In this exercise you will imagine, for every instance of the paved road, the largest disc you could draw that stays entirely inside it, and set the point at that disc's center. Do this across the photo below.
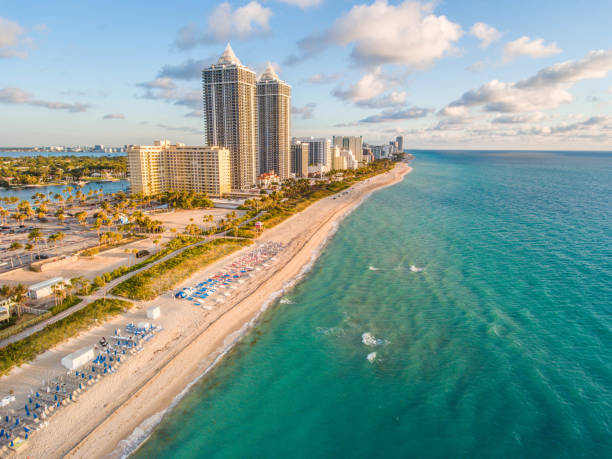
(103, 292)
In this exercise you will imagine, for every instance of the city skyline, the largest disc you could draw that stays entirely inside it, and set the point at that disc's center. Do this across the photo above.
(493, 76)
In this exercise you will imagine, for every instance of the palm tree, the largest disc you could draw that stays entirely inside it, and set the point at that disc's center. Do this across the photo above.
(61, 216)
(20, 297)
(81, 217)
(15, 246)
(29, 248)
(36, 236)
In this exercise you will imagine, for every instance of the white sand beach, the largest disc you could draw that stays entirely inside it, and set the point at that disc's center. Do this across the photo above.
(191, 340)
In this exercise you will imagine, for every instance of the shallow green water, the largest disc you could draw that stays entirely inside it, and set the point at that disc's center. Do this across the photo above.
(500, 347)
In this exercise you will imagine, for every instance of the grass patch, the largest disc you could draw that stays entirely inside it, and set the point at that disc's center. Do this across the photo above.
(27, 349)
(160, 278)
(22, 324)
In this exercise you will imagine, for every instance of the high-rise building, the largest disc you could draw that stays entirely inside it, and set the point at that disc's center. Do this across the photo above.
(318, 151)
(299, 158)
(273, 124)
(229, 115)
(353, 143)
(399, 140)
(165, 167)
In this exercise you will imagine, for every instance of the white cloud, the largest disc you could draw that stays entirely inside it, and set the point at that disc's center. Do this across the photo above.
(114, 116)
(306, 112)
(407, 34)
(11, 40)
(369, 86)
(302, 3)
(226, 23)
(523, 118)
(322, 78)
(549, 88)
(159, 83)
(485, 33)
(17, 96)
(525, 46)
(398, 115)
(369, 91)
(188, 70)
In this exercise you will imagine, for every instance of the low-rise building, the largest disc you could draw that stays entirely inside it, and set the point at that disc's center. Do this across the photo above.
(267, 179)
(44, 288)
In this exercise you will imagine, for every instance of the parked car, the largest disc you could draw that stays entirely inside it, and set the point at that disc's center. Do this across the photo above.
(41, 256)
(142, 253)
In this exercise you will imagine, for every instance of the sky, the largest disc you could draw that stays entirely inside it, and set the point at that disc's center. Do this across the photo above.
(445, 74)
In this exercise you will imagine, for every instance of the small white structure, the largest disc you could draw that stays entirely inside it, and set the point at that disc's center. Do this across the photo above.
(144, 325)
(7, 400)
(78, 358)
(44, 288)
(153, 312)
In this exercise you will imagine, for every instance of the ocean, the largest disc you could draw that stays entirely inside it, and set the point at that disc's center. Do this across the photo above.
(482, 283)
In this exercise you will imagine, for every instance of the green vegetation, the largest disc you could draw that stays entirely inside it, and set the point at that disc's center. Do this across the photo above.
(186, 199)
(297, 195)
(23, 324)
(33, 170)
(154, 281)
(27, 349)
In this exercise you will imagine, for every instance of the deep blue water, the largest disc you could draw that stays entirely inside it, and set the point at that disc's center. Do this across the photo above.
(500, 347)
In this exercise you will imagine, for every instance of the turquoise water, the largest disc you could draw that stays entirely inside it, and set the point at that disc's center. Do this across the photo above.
(500, 347)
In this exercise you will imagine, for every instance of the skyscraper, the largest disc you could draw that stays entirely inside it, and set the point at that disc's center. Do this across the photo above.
(273, 124)
(318, 152)
(229, 115)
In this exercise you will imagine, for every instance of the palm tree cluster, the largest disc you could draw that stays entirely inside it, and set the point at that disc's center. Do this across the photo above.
(18, 293)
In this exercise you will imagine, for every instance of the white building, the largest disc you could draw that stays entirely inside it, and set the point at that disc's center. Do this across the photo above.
(44, 288)
(352, 143)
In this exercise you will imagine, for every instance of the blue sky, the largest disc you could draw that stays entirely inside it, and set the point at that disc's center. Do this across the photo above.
(447, 74)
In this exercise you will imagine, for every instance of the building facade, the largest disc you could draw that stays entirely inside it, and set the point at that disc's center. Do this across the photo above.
(229, 115)
(299, 159)
(352, 143)
(318, 152)
(273, 124)
(165, 167)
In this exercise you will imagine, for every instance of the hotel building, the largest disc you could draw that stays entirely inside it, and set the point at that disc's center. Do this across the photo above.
(230, 116)
(273, 124)
(164, 167)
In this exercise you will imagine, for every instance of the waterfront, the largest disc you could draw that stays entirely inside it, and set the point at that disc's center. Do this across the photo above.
(496, 348)
(25, 193)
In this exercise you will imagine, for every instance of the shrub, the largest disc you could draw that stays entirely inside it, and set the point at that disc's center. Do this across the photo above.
(27, 349)
(152, 282)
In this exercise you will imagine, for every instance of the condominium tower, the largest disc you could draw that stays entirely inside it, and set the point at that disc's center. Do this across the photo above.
(273, 124)
(165, 167)
(229, 115)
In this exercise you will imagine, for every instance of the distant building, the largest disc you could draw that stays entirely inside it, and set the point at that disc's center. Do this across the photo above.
(399, 141)
(318, 152)
(299, 158)
(343, 159)
(267, 179)
(230, 116)
(352, 143)
(164, 167)
(273, 124)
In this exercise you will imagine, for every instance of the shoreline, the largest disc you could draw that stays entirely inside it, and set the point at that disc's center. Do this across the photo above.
(110, 420)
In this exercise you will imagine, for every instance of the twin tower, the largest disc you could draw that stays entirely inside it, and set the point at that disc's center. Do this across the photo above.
(249, 117)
